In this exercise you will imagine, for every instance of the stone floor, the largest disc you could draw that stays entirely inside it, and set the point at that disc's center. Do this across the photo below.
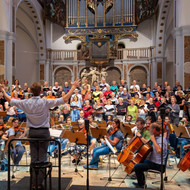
(181, 180)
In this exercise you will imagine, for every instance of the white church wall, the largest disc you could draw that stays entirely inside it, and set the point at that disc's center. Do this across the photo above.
(25, 21)
(5, 15)
(182, 13)
(145, 38)
(26, 56)
(54, 36)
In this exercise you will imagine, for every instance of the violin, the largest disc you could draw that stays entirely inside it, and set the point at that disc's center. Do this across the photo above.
(113, 131)
(18, 129)
(4, 127)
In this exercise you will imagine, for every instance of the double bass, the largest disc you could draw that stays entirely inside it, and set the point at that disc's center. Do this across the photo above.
(135, 152)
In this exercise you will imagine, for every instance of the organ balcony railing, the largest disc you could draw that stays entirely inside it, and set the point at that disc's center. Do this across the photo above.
(122, 54)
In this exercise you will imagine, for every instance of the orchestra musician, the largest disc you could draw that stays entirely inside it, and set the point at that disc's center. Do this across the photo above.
(141, 131)
(92, 141)
(115, 139)
(37, 112)
(18, 150)
(154, 161)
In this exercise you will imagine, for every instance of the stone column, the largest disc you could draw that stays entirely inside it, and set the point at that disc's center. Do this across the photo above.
(164, 61)
(179, 56)
(153, 72)
(9, 38)
(46, 70)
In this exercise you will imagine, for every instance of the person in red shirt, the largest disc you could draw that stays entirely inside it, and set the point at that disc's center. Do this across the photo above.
(108, 92)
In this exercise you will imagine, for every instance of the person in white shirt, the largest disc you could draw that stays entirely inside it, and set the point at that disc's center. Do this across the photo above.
(134, 84)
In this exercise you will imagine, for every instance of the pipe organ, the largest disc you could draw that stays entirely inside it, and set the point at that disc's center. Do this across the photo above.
(100, 13)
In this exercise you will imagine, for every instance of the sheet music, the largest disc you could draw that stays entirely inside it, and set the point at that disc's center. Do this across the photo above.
(55, 132)
(110, 146)
(187, 131)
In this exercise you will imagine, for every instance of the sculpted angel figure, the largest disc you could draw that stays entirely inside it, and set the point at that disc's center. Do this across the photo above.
(83, 76)
(104, 74)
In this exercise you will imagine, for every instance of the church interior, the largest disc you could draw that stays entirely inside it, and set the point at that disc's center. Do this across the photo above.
(129, 43)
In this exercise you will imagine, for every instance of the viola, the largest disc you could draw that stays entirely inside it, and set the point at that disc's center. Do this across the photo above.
(184, 163)
(113, 131)
(135, 152)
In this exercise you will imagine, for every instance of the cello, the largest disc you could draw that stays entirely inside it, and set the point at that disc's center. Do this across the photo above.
(184, 163)
(135, 152)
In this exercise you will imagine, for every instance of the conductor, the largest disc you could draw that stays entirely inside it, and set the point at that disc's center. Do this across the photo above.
(37, 112)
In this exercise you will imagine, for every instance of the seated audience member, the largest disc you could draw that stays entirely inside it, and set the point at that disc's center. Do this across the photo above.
(154, 161)
(115, 139)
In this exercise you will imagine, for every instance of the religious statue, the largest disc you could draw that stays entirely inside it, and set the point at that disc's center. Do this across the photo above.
(95, 74)
(83, 76)
(103, 74)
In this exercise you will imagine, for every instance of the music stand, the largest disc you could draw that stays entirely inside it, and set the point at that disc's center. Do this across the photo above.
(3, 113)
(181, 131)
(126, 130)
(98, 132)
(77, 138)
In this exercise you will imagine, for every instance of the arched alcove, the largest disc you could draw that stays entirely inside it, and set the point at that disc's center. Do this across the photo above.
(113, 74)
(139, 74)
(62, 75)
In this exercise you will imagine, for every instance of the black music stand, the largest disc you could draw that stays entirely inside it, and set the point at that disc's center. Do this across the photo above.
(77, 138)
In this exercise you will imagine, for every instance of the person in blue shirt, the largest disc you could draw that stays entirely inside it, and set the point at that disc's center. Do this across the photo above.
(66, 88)
(114, 87)
(115, 139)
